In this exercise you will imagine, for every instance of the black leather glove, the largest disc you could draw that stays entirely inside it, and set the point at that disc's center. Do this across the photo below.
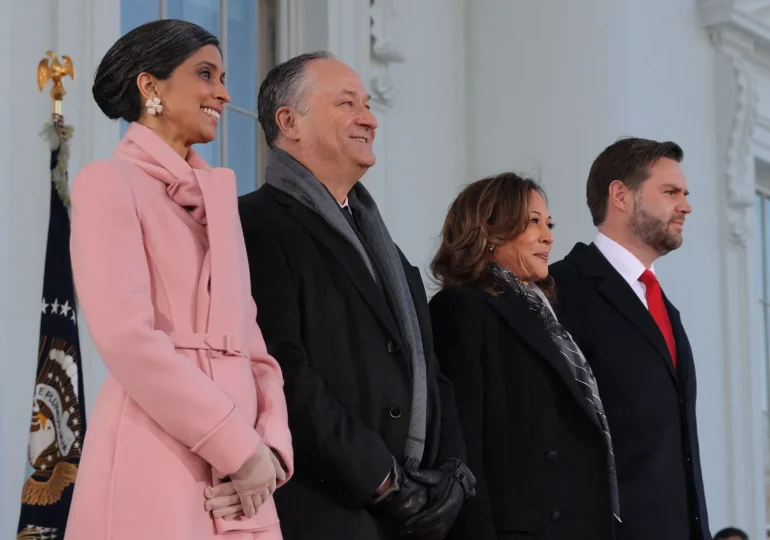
(449, 487)
(404, 499)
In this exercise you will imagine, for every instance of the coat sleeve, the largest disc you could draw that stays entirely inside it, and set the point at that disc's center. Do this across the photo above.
(451, 443)
(458, 336)
(273, 418)
(329, 443)
(112, 280)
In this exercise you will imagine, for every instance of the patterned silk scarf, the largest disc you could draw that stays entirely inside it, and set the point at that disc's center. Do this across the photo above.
(539, 303)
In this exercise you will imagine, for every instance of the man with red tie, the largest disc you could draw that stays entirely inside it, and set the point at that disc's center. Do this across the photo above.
(610, 299)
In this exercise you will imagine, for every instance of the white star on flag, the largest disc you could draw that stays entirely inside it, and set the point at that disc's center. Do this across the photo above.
(72, 318)
(65, 308)
(45, 306)
(55, 306)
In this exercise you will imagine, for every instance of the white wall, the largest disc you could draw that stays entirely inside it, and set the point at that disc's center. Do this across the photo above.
(552, 84)
(5, 223)
(25, 189)
(427, 126)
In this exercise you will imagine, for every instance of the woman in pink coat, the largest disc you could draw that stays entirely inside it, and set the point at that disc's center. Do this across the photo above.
(192, 396)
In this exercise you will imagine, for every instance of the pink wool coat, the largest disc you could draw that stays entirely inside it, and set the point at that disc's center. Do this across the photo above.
(161, 273)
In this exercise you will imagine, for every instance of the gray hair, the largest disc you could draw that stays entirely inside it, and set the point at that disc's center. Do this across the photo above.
(286, 85)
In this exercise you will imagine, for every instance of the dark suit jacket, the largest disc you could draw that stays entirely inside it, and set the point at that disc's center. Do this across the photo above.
(347, 380)
(650, 406)
(539, 456)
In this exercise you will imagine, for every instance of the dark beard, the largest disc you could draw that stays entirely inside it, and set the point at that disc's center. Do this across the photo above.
(653, 231)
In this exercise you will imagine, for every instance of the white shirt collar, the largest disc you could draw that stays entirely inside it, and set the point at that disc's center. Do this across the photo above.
(344, 203)
(627, 265)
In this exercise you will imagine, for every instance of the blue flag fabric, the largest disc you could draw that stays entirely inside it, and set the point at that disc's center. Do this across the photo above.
(58, 419)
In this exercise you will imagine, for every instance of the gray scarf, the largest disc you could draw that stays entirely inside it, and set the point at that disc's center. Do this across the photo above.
(581, 370)
(286, 174)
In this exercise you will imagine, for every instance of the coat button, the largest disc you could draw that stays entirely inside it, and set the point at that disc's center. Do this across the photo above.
(555, 516)
(396, 412)
(393, 347)
(551, 456)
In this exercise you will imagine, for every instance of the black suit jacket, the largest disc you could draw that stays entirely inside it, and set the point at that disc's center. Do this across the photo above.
(534, 444)
(650, 406)
(347, 380)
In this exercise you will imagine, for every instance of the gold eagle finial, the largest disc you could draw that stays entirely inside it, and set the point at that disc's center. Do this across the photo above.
(52, 69)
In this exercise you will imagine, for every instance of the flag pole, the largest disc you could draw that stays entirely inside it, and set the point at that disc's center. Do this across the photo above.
(58, 419)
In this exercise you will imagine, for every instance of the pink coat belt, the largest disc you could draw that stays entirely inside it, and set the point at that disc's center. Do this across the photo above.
(228, 344)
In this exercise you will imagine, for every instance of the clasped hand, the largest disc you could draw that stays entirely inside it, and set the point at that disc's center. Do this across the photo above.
(249, 487)
(428, 501)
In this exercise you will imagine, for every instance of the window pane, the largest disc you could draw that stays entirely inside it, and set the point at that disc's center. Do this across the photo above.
(204, 13)
(242, 61)
(137, 12)
(242, 137)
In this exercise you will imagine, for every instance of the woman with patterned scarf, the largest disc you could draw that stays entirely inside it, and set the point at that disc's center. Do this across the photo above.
(531, 412)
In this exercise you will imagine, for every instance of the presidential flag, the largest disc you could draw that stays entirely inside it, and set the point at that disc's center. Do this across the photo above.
(58, 420)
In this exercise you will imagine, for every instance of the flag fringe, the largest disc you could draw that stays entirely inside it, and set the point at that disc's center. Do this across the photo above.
(58, 135)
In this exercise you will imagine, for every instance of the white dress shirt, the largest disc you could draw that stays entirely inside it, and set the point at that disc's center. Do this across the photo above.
(625, 263)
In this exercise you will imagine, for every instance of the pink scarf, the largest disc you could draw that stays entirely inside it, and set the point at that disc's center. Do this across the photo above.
(209, 194)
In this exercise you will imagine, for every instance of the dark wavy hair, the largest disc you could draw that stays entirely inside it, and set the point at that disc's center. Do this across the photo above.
(158, 48)
(485, 214)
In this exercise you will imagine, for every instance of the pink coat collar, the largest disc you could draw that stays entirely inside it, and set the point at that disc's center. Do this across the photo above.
(154, 156)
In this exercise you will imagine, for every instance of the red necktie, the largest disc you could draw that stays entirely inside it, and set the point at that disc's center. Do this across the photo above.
(658, 310)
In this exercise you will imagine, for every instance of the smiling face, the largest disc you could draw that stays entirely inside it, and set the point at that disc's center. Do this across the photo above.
(338, 128)
(193, 98)
(526, 255)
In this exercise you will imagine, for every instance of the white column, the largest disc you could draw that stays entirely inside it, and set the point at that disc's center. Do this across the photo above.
(6, 261)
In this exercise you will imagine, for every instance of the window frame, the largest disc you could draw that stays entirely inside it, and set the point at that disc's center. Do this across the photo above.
(267, 46)
(762, 197)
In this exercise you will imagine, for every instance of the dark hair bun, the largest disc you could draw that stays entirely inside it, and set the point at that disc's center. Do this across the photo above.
(158, 48)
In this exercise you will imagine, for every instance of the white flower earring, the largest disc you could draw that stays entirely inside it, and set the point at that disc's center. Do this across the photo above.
(153, 106)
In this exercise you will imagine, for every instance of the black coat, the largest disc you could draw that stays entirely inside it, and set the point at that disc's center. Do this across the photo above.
(539, 456)
(347, 379)
(650, 406)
